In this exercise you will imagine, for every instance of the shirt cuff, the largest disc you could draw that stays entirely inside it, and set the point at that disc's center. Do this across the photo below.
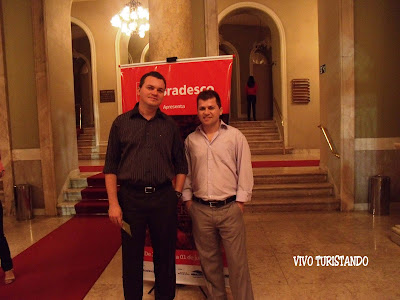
(187, 195)
(243, 196)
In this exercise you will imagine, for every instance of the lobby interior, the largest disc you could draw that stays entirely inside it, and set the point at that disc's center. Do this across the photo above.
(356, 99)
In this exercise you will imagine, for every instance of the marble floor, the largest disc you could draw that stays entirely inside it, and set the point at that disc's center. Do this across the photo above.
(273, 239)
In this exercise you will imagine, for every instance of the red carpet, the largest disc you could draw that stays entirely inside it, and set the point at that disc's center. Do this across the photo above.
(94, 197)
(96, 180)
(66, 263)
(91, 168)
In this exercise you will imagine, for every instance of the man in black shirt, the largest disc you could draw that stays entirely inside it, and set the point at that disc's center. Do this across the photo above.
(145, 152)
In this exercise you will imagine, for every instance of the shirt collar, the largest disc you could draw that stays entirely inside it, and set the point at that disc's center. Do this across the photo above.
(135, 112)
(222, 125)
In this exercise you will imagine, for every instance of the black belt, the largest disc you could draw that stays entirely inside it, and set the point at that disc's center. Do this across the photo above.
(148, 189)
(214, 203)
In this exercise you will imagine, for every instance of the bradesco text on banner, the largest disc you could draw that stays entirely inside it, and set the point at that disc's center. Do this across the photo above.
(185, 78)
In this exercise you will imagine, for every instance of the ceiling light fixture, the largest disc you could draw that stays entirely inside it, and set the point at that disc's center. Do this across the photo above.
(133, 18)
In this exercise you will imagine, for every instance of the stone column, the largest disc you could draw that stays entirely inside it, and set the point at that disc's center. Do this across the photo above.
(5, 146)
(211, 30)
(170, 29)
(347, 185)
(44, 110)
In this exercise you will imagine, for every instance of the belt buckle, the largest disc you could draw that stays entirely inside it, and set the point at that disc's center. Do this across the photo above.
(213, 203)
(149, 189)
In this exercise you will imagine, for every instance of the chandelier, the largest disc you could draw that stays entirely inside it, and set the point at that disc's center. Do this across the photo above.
(258, 57)
(133, 18)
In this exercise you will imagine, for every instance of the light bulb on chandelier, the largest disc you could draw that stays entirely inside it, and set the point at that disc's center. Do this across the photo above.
(133, 18)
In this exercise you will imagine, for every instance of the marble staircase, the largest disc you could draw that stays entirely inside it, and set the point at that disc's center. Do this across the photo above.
(87, 148)
(284, 188)
(72, 195)
(275, 189)
(292, 189)
(263, 136)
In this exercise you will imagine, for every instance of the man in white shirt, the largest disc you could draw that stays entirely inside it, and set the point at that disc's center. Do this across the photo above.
(219, 182)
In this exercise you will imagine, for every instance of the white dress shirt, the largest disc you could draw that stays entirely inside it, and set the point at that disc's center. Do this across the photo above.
(219, 168)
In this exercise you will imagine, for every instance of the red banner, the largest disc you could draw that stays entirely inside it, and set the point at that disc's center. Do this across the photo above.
(185, 80)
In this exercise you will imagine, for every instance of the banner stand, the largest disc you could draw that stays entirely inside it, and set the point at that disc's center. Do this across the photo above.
(201, 289)
(185, 78)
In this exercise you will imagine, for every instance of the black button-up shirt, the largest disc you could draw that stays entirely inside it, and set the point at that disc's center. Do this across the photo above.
(145, 152)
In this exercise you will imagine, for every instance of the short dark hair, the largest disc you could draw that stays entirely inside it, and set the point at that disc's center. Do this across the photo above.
(152, 74)
(209, 94)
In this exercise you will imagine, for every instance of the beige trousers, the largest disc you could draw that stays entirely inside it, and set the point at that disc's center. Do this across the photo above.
(211, 226)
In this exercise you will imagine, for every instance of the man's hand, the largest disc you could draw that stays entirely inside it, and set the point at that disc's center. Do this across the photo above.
(241, 206)
(188, 204)
(115, 214)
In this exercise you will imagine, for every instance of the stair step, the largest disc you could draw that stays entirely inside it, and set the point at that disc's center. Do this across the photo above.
(267, 151)
(261, 191)
(289, 175)
(247, 124)
(73, 194)
(78, 183)
(262, 137)
(94, 193)
(294, 204)
(66, 208)
(258, 130)
(284, 179)
(92, 207)
(86, 136)
(87, 149)
(81, 180)
(89, 130)
(91, 156)
(82, 143)
(265, 144)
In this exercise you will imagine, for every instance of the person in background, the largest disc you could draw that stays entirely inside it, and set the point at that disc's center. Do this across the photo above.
(251, 94)
(5, 255)
(219, 182)
(145, 153)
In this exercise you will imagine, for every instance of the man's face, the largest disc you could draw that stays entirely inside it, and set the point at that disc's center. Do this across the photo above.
(209, 112)
(152, 92)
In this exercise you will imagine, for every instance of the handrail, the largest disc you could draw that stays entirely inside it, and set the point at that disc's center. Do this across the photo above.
(281, 129)
(278, 109)
(330, 144)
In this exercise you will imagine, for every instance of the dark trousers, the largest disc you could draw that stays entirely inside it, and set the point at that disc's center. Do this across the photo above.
(251, 104)
(5, 256)
(158, 211)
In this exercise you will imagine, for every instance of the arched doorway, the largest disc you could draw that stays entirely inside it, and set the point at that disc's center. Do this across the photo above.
(250, 37)
(85, 76)
(83, 92)
(240, 14)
